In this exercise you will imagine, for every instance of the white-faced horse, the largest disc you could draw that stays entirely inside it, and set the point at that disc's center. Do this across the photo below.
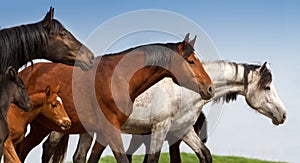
(166, 108)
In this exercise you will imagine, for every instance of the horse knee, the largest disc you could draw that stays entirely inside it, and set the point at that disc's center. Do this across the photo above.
(78, 158)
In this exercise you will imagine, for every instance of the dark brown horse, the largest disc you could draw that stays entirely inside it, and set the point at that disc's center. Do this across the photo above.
(12, 89)
(116, 81)
(47, 39)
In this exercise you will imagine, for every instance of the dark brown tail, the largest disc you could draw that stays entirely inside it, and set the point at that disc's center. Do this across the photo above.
(61, 149)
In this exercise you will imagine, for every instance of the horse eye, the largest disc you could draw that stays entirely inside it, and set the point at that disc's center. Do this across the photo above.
(191, 62)
(63, 33)
(54, 105)
(267, 88)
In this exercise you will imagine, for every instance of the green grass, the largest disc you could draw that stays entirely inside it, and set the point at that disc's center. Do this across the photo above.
(190, 158)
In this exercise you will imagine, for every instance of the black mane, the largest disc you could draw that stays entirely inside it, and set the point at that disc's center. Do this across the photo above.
(266, 78)
(159, 54)
(20, 44)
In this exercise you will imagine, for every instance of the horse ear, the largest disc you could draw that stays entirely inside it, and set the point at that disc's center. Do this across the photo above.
(192, 43)
(57, 88)
(186, 38)
(11, 72)
(48, 90)
(48, 18)
(264, 67)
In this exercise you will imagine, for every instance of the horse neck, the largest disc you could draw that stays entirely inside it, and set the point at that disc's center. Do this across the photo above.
(228, 77)
(5, 98)
(21, 44)
(38, 100)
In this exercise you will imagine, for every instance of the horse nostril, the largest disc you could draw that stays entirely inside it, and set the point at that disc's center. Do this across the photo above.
(284, 116)
(210, 89)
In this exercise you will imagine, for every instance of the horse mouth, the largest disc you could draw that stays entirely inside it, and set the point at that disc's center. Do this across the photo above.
(84, 66)
(64, 127)
(277, 122)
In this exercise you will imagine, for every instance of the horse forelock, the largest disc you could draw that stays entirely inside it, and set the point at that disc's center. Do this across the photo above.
(188, 50)
(20, 44)
(265, 78)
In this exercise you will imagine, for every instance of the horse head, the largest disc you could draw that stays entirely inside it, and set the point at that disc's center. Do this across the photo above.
(16, 89)
(262, 96)
(54, 110)
(62, 46)
(193, 68)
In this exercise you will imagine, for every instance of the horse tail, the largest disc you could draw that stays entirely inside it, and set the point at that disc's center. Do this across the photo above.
(61, 149)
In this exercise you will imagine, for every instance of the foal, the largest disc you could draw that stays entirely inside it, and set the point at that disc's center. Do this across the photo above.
(47, 103)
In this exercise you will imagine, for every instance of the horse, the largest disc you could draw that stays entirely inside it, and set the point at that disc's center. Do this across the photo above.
(118, 79)
(252, 81)
(12, 90)
(47, 103)
(47, 39)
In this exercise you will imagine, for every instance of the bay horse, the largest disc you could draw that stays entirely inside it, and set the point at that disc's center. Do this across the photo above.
(12, 89)
(47, 103)
(182, 107)
(47, 39)
(118, 79)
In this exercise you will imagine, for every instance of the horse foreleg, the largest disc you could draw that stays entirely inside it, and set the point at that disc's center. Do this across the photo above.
(98, 148)
(159, 133)
(49, 146)
(135, 142)
(10, 155)
(192, 140)
(83, 146)
(201, 125)
(36, 135)
(116, 144)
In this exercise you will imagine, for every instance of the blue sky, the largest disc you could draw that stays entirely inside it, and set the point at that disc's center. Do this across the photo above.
(242, 31)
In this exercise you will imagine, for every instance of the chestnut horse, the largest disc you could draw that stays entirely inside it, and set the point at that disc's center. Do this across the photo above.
(118, 79)
(12, 90)
(47, 103)
(47, 39)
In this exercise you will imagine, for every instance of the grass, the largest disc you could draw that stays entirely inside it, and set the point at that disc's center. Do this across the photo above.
(191, 158)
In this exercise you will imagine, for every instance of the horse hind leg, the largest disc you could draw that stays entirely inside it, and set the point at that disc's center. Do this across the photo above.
(202, 152)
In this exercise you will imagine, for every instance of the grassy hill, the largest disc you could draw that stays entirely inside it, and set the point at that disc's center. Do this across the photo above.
(190, 158)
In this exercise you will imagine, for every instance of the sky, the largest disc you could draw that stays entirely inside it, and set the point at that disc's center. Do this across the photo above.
(242, 31)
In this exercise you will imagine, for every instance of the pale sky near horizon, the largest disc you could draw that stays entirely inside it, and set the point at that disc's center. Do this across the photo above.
(242, 31)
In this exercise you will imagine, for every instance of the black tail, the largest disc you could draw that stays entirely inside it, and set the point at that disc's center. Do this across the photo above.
(61, 149)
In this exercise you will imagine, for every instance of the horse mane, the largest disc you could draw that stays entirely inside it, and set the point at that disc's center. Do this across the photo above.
(159, 54)
(18, 44)
(232, 96)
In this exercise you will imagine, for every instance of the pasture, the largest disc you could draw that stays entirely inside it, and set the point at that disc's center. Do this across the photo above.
(191, 158)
